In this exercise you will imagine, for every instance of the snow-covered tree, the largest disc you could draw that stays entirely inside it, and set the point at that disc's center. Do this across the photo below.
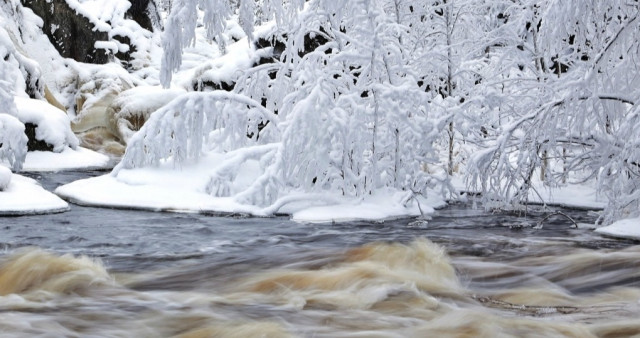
(180, 28)
(351, 115)
(443, 43)
(573, 105)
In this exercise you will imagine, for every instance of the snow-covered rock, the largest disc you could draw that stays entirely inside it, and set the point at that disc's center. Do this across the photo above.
(5, 178)
(625, 228)
(52, 125)
(24, 196)
(92, 30)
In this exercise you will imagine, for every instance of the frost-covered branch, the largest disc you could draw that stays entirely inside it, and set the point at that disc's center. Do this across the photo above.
(184, 128)
(180, 28)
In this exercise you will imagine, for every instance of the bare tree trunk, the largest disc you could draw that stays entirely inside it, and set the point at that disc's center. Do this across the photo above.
(545, 164)
(396, 165)
(449, 32)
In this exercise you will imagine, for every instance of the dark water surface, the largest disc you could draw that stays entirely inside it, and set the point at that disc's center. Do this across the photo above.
(119, 273)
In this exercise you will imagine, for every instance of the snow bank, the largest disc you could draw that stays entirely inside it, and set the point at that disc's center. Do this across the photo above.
(79, 158)
(5, 178)
(25, 196)
(626, 228)
(54, 126)
(164, 188)
(570, 196)
(183, 189)
(383, 205)
(577, 196)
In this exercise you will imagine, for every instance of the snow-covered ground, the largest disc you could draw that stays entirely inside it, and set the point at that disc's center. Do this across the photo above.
(24, 196)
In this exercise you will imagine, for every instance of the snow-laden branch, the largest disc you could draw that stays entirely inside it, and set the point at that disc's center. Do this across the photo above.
(181, 130)
(180, 28)
(13, 141)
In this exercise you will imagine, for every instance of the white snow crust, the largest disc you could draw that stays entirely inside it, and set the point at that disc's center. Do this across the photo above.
(79, 158)
(625, 228)
(24, 196)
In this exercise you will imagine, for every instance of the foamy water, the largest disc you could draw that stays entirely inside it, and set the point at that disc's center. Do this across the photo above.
(108, 273)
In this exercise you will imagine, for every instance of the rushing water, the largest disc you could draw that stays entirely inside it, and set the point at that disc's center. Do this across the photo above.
(96, 272)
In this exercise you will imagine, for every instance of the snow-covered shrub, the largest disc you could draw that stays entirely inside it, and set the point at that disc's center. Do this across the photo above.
(13, 141)
(195, 122)
(5, 178)
(180, 30)
(25, 73)
(132, 108)
(566, 92)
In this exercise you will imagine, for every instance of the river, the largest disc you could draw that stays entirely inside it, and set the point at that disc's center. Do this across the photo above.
(94, 272)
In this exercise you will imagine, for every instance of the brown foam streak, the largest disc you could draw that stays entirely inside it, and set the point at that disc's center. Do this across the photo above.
(32, 270)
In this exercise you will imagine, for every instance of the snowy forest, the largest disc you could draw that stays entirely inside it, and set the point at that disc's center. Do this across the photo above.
(269, 107)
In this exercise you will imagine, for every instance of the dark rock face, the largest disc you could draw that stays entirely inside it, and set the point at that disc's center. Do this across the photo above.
(73, 35)
(145, 13)
(34, 144)
(125, 57)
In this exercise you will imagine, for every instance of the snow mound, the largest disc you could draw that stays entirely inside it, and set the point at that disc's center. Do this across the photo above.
(54, 126)
(626, 228)
(79, 158)
(25, 196)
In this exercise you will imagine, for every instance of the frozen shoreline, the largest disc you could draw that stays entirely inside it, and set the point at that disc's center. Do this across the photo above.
(108, 191)
(24, 196)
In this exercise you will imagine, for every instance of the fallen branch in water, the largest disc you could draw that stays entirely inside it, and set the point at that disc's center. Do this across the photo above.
(539, 225)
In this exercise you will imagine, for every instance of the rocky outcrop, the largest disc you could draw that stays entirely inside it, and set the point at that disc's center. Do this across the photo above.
(73, 35)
